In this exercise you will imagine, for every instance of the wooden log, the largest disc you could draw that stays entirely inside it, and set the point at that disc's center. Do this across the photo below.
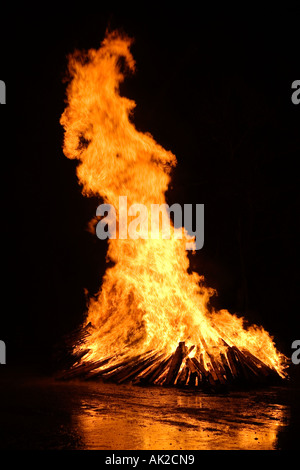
(114, 370)
(220, 364)
(217, 375)
(254, 364)
(131, 368)
(194, 372)
(162, 375)
(136, 369)
(192, 379)
(79, 355)
(217, 370)
(252, 369)
(245, 370)
(230, 358)
(196, 368)
(190, 364)
(149, 368)
(162, 378)
(105, 372)
(175, 364)
(201, 360)
(188, 377)
(158, 370)
(206, 376)
(229, 376)
(115, 367)
(232, 363)
(68, 359)
(243, 374)
(262, 367)
(109, 372)
(257, 370)
(182, 376)
(206, 379)
(185, 353)
(212, 372)
(81, 370)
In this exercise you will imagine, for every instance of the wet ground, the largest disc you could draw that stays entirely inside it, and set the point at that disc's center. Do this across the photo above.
(42, 413)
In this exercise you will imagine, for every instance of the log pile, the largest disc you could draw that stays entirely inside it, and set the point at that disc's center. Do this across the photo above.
(186, 368)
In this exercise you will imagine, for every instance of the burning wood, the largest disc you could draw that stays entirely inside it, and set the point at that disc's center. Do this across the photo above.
(236, 369)
(175, 364)
(150, 323)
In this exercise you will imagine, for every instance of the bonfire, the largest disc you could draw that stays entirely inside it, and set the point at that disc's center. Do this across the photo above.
(151, 321)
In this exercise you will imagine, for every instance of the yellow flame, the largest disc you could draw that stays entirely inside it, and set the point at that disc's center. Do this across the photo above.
(148, 299)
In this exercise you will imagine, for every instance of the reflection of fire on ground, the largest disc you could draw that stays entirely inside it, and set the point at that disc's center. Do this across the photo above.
(140, 420)
(151, 319)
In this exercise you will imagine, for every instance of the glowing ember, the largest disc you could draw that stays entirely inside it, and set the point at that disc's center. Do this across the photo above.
(148, 300)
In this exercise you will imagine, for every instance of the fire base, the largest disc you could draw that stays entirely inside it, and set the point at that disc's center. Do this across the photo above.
(234, 368)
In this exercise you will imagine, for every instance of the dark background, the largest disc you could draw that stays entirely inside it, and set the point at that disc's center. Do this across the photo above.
(214, 87)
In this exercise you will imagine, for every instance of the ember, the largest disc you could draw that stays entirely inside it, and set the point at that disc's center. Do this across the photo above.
(151, 322)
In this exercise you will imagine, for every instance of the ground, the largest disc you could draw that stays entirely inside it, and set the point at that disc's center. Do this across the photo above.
(39, 412)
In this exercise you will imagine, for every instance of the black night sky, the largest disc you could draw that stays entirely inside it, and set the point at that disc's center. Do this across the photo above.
(212, 87)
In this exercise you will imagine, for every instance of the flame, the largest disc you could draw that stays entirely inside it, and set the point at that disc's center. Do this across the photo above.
(149, 300)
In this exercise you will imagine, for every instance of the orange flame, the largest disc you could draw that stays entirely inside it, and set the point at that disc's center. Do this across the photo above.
(148, 299)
